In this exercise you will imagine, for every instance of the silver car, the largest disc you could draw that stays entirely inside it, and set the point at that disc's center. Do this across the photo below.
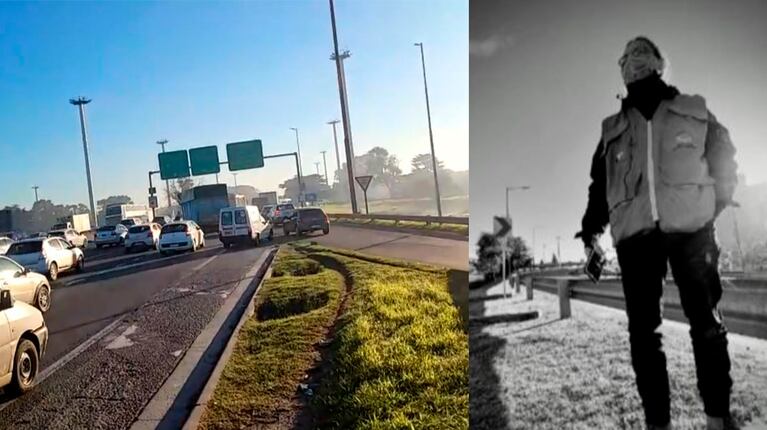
(111, 235)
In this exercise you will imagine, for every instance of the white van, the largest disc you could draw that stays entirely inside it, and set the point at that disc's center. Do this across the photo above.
(243, 224)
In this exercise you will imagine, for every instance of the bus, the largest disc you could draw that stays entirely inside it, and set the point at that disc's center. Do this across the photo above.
(115, 213)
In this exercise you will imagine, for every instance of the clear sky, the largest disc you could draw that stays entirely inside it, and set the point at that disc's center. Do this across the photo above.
(202, 73)
(544, 74)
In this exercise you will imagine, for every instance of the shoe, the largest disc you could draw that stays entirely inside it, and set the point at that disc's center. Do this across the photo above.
(717, 423)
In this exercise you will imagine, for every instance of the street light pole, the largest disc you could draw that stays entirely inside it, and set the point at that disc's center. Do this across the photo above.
(431, 135)
(325, 163)
(335, 140)
(317, 167)
(298, 146)
(508, 218)
(235, 182)
(344, 109)
(80, 102)
(35, 187)
(167, 183)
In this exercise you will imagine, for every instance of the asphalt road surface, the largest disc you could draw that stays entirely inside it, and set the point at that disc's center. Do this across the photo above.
(118, 329)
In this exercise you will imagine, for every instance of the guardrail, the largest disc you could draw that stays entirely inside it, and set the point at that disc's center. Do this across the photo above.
(744, 302)
(428, 219)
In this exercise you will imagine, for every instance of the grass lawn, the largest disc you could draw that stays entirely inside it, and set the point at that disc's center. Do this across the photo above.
(452, 206)
(576, 373)
(453, 228)
(398, 359)
(400, 356)
(275, 347)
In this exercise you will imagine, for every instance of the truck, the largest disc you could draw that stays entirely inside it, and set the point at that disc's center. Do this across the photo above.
(203, 203)
(79, 223)
(115, 213)
(270, 198)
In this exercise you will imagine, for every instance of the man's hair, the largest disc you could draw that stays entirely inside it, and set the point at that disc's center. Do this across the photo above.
(655, 51)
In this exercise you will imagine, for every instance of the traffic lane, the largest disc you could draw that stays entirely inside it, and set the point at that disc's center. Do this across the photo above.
(79, 311)
(450, 253)
(108, 384)
(128, 262)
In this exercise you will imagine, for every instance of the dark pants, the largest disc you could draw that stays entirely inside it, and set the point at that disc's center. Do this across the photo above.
(693, 258)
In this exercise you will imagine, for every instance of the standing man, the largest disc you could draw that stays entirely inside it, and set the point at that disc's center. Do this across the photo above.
(663, 171)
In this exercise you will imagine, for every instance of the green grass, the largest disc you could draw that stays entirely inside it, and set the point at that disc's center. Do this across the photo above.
(400, 356)
(453, 228)
(453, 206)
(275, 347)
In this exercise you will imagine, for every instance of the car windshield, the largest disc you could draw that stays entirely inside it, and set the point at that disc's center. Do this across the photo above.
(226, 218)
(30, 247)
(287, 206)
(107, 228)
(138, 229)
(127, 222)
(56, 234)
(175, 228)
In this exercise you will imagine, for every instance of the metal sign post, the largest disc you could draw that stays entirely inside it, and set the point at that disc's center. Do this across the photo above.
(501, 229)
(364, 182)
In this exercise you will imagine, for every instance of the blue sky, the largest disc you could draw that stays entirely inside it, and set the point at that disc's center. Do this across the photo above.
(201, 73)
(545, 74)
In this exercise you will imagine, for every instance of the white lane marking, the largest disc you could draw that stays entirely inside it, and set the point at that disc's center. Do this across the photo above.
(75, 352)
(122, 341)
(86, 276)
(48, 371)
(204, 263)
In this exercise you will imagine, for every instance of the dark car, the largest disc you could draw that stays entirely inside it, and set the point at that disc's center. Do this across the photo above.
(307, 220)
(283, 212)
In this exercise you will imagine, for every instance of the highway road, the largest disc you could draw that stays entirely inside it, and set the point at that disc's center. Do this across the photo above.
(118, 329)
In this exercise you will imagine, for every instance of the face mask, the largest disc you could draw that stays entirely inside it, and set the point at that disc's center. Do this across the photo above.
(638, 62)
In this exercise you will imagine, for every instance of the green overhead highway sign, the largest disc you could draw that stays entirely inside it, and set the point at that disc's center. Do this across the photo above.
(174, 164)
(244, 155)
(204, 160)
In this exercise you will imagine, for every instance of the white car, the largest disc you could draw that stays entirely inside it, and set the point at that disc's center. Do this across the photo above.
(111, 235)
(181, 236)
(142, 237)
(23, 339)
(5, 243)
(29, 287)
(70, 236)
(243, 224)
(47, 256)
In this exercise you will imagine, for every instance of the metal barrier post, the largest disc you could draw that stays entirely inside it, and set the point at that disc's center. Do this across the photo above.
(563, 288)
(529, 287)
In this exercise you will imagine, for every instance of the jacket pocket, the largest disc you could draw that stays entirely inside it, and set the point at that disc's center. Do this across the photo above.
(619, 161)
(682, 148)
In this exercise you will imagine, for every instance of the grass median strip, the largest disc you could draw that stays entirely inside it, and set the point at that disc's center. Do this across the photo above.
(275, 347)
(452, 228)
(398, 358)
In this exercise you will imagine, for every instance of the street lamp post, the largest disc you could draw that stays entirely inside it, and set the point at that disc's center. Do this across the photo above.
(235, 182)
(80, 102)
(167, 183)
(338, 58)
(431, 135)
(35, 187)
(503, 246)
(325, 164)
(298, 146)
(335, 140)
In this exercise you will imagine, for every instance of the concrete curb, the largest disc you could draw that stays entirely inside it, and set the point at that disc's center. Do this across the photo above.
(193, 422)
(171, 405)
